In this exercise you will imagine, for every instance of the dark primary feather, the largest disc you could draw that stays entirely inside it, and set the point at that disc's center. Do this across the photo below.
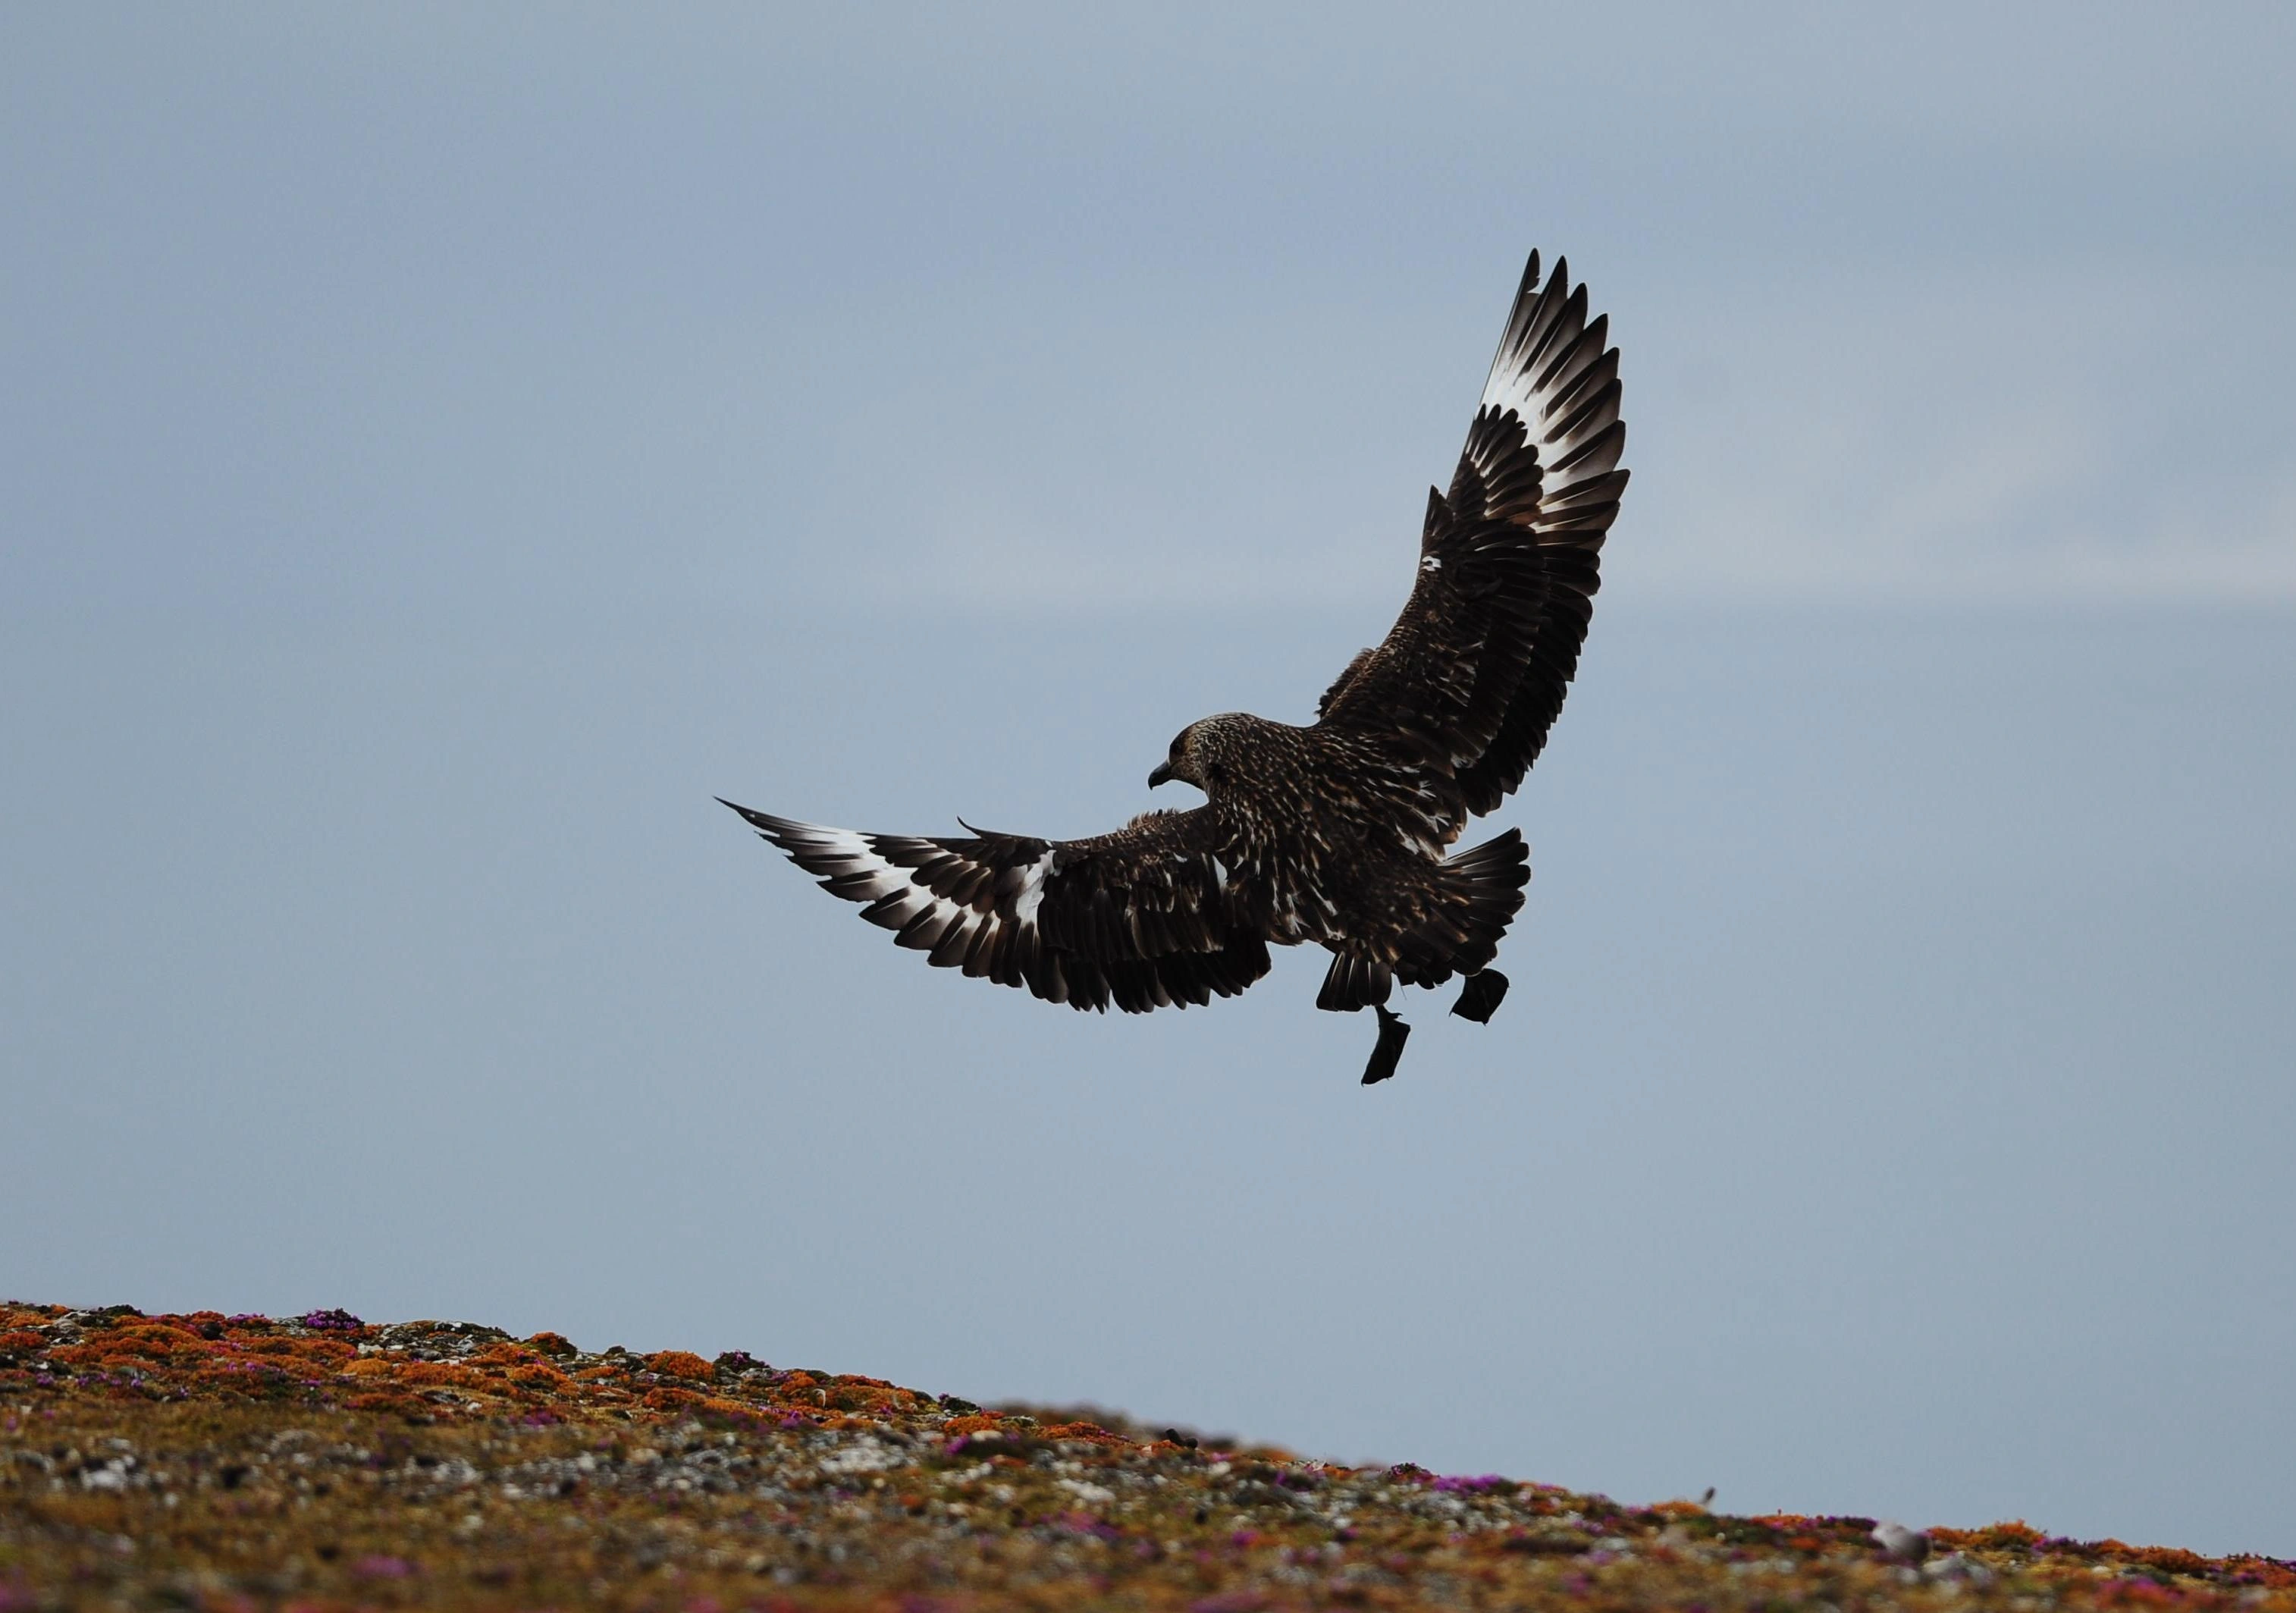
(1139, 919)
(1475, 668)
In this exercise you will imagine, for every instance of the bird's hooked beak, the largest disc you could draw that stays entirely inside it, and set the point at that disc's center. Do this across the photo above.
(1162, 775)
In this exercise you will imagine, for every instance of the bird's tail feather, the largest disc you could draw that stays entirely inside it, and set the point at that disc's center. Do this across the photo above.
(1485, 885)
(1354, 982)
(1457, 912)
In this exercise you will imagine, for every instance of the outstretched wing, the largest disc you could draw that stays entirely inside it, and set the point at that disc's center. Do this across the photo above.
(1474, 670)
(1147, 917)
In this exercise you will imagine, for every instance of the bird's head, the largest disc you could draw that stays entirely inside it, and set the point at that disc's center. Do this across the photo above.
(1202, 753)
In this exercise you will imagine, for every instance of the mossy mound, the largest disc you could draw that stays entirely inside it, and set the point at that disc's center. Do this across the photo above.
(237, 1462)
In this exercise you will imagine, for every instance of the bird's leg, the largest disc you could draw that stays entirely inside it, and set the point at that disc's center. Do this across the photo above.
(1479, 998)
(1392, 1034)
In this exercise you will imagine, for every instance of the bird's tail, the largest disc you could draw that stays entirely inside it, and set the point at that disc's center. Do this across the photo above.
(1449, 920)
(1483, 888)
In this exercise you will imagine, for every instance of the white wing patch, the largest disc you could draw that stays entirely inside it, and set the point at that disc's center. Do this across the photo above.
(851, 865)
(1032, 890)
(1553, 373)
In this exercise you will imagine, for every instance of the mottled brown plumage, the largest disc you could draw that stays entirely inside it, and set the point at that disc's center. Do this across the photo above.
(1336, 833)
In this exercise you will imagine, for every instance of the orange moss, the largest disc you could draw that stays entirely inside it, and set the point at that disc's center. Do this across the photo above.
(442, 1374)
(681, 1364)
(1083, 1430)
(158, 1343)
(323, 1352)
(2011, 1536)
(385, 1401)
(2271, 1573)
(2169, 1560)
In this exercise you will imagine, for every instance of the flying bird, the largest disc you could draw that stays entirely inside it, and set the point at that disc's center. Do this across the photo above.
(1338, 833)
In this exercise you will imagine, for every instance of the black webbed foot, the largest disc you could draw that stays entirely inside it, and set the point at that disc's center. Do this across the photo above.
(1479, 998)
(1392, 1034)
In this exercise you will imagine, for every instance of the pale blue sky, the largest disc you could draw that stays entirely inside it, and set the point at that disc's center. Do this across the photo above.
(441, 449)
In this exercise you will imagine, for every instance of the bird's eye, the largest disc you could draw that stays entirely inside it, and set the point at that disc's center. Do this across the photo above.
(1218, 772)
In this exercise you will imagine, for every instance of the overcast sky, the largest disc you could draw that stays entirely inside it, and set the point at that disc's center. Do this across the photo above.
(440, 449)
